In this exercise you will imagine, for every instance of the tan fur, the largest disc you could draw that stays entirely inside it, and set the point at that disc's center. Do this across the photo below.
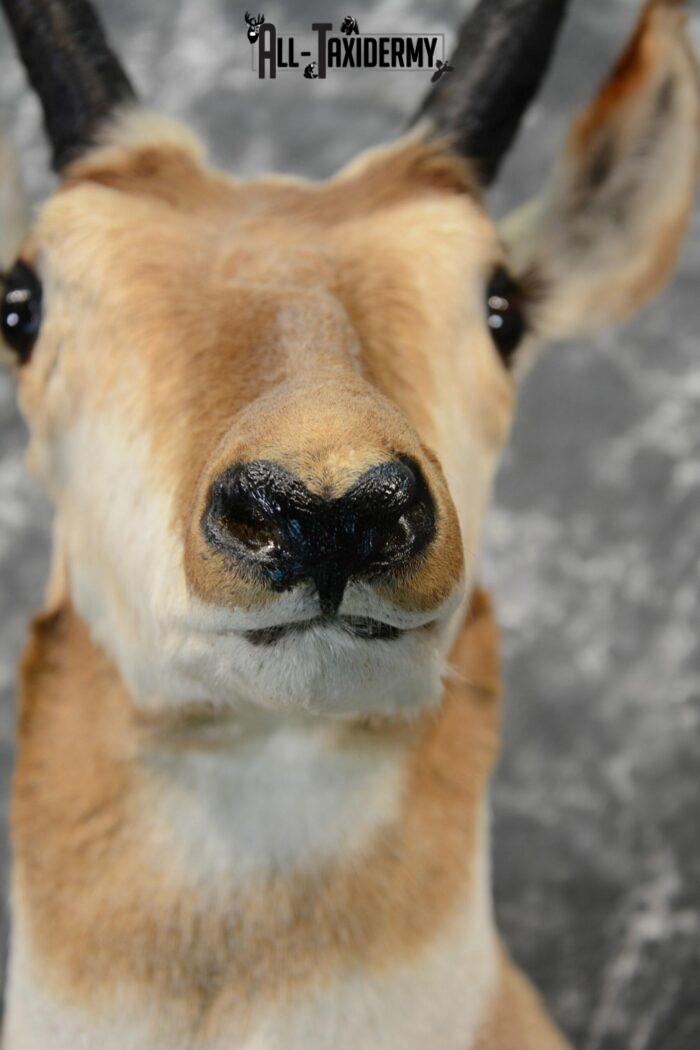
(638, 64)
(570, 236)
(192, 322)
(517, 1020)
(100, 907)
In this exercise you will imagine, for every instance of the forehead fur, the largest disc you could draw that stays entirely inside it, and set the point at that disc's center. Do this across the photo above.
(148, 195)
(166, 182)
(400, 227)
(145, 154)
(398, 241)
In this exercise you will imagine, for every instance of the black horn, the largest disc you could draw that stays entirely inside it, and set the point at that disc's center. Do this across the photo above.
(78, 79)
(501, 57)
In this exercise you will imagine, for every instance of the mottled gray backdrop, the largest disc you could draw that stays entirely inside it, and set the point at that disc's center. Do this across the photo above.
(593, 543)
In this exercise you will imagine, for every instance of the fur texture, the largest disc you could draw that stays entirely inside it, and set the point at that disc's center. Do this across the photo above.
(219, 845)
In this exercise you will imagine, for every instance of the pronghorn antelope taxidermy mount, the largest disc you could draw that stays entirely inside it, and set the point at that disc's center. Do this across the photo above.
(260, 710)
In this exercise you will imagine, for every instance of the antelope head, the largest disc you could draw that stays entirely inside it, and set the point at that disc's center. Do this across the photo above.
(269, 412)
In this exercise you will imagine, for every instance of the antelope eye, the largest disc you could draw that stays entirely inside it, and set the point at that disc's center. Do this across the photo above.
(20, 309)
(505, 313)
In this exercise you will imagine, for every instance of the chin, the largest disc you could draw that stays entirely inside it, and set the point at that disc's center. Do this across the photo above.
(371, 658)
(330, 669)
(335, 668)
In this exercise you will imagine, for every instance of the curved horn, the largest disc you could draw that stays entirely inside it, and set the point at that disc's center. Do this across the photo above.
(501, 57)
(77, 77)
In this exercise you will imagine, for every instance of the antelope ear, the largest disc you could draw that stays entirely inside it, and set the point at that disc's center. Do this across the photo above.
(604, 236)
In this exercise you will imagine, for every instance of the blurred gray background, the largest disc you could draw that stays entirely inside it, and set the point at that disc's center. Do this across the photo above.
(592, 547)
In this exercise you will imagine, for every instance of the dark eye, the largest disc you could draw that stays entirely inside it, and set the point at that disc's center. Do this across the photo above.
(504, 312)
(20, 309)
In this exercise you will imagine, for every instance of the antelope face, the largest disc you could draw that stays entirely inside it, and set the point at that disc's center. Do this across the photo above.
(268, 415)
(269, 412)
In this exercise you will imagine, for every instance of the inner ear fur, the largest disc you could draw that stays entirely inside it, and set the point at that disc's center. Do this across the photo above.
(604, 237)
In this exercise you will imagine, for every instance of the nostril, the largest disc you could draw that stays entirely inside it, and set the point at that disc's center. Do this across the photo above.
(250, 528)
(392, 509)
(263, 515)
(384, 491)
(235, 516)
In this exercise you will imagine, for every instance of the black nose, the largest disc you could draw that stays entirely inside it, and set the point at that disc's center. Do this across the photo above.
(265, 516)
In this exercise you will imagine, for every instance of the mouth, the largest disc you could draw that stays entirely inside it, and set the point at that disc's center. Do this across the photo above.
(356, 626)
